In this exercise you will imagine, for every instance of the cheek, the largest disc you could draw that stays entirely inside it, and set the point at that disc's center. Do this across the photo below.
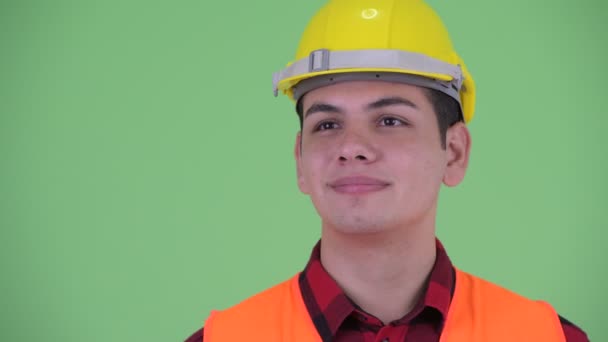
(418, 166)
(317, 154)
(318, 169)
(312, 168)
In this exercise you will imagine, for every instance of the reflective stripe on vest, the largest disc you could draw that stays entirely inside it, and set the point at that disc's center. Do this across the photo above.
(480, 311)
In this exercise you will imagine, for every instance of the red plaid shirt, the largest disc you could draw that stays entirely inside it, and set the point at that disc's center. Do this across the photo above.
(338, 319)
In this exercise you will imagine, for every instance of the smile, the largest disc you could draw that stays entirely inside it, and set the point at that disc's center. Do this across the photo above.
(358, 185)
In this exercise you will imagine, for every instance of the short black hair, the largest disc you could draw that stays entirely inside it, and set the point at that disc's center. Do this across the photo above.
(447, 110)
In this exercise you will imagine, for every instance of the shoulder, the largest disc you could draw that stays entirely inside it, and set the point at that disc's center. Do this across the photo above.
(257, 306)
(266, 300)
(572, 332)
(507, 304)
(491, 296)
(259, 309)
(197, 336)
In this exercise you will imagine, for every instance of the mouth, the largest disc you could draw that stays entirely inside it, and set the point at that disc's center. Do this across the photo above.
(358, 185)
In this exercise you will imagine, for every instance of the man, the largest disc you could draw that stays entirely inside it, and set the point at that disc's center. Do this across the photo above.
(383, 101)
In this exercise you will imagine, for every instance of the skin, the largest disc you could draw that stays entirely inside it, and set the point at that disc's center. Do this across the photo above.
(370, 157)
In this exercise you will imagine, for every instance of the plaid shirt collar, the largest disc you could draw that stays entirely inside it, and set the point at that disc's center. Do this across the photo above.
(329, 306)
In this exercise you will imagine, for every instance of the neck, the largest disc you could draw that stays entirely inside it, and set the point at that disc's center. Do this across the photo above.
(383, 273)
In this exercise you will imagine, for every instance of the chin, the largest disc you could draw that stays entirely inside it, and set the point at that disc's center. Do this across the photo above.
(356, 224)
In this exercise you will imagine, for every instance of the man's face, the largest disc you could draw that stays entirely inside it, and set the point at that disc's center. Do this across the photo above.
(371, 157)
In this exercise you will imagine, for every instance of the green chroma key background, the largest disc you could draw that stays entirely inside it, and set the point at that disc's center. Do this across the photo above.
(147, 175)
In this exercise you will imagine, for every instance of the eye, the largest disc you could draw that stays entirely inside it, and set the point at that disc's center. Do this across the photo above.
(326, 125)
(391, 121)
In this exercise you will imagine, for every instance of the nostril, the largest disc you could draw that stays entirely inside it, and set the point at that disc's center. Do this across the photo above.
(360, 157)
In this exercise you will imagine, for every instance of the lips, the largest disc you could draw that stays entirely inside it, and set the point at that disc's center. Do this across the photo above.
(358, 185)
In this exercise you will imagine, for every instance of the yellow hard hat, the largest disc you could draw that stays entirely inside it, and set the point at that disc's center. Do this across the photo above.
(392, 40)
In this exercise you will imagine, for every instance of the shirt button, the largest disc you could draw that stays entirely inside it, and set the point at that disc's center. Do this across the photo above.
(385, 340)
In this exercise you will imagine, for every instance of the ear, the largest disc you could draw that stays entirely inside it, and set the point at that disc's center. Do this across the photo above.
(458, 147)
(297, 151)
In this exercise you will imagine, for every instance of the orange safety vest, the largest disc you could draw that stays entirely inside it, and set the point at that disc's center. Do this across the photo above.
(480, 312)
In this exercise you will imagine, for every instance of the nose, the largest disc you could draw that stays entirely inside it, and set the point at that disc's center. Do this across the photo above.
(356, 146)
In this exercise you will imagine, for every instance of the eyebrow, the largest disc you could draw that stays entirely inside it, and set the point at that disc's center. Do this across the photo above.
(322, 107)
(391, 101)
(383, 102)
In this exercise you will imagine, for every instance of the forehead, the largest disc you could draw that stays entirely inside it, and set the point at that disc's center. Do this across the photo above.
(358, 94)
